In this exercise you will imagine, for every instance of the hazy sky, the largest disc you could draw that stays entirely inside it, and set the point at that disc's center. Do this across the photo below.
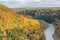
(31, 3)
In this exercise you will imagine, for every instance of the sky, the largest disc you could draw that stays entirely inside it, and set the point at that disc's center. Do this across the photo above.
(30, 3)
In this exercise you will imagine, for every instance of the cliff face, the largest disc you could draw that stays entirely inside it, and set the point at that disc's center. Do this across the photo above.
(18, 27)
(57, 30)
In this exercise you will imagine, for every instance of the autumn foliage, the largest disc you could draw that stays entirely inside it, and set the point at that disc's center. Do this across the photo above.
(18, 27)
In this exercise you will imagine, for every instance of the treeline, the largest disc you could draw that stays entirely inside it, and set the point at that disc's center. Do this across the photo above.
(47, 15)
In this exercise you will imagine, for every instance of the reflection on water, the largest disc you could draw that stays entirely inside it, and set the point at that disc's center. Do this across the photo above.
(49, 32)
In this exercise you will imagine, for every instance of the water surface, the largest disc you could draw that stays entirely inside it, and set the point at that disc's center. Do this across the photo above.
(49, 32)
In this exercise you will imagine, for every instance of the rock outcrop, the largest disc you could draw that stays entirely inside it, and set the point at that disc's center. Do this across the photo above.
(57, 30)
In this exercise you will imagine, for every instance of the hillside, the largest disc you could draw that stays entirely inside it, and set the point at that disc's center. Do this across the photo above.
(57, 31)
(49, 15)
(18, 27)
(46, 14)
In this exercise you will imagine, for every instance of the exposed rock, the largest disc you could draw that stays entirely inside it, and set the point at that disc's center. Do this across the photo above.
(57, 30)
(55, 37)
(44, 24)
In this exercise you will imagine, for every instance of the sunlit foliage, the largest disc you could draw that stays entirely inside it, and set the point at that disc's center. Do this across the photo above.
(18, 27)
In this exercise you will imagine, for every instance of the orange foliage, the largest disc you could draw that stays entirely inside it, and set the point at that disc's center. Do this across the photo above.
(10, 20)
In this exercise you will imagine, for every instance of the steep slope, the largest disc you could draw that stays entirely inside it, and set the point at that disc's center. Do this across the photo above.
(57, 31)
(18, 27)
(46, 14)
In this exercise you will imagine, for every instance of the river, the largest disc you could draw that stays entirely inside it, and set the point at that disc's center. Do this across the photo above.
(49, 32)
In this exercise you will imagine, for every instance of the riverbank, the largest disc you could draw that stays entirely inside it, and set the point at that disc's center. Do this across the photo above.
(49, 32)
